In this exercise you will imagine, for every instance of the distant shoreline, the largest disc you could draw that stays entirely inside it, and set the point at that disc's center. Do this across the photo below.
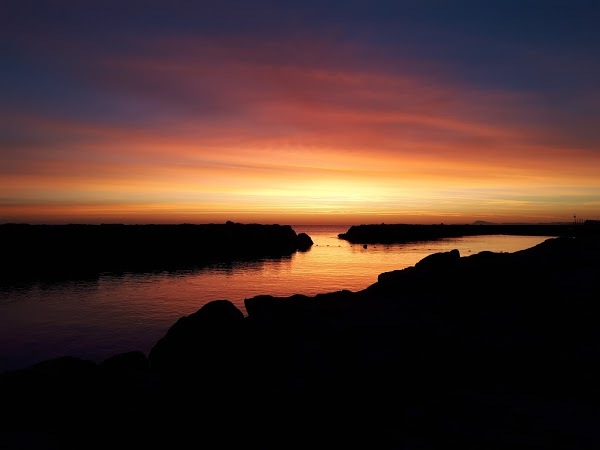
(398, 233)
(66, 251)
(73, 251)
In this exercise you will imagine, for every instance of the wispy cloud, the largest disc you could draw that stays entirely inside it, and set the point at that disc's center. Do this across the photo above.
(253, 128)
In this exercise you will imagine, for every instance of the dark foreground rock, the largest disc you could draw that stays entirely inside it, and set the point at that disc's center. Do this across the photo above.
(489, 351)
(33, 252)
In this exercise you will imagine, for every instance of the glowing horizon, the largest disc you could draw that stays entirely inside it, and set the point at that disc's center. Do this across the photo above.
(187, 127)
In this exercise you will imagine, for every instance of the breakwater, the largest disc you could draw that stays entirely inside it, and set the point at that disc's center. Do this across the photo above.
(67, 251)
(396, 233)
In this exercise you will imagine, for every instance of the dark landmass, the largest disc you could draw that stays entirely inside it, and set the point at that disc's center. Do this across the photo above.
(485, 222)
(31, 252)
(488, 351)
(400, 233)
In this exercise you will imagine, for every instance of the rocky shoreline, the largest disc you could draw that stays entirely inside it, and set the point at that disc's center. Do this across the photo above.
(400, 233)
(491, 350)
(32, 252)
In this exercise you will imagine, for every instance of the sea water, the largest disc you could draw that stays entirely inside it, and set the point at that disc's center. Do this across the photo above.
(111, 314)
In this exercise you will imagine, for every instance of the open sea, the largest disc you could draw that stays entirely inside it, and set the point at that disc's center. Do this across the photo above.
(97, 318)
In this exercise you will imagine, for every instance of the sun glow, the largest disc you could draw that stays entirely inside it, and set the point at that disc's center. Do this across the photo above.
(248, 137)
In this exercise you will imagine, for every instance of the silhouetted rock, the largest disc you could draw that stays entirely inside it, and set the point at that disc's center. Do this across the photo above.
(439, 261)
(491, 350)
(205, 344)
(33, 252)
(391, 233)
(48, 393)
(134, 361)
(304, 241)
(125, 370)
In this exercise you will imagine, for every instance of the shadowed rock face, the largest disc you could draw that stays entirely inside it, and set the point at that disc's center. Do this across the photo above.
(493, 350)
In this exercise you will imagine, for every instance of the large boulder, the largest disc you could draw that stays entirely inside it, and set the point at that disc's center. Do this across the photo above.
(439, 261)
(304, 241)
(204, 345)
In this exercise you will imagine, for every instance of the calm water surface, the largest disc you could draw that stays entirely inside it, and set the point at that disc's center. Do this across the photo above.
(98, 318)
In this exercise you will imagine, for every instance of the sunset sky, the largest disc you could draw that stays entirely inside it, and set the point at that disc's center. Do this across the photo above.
(299, 112)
